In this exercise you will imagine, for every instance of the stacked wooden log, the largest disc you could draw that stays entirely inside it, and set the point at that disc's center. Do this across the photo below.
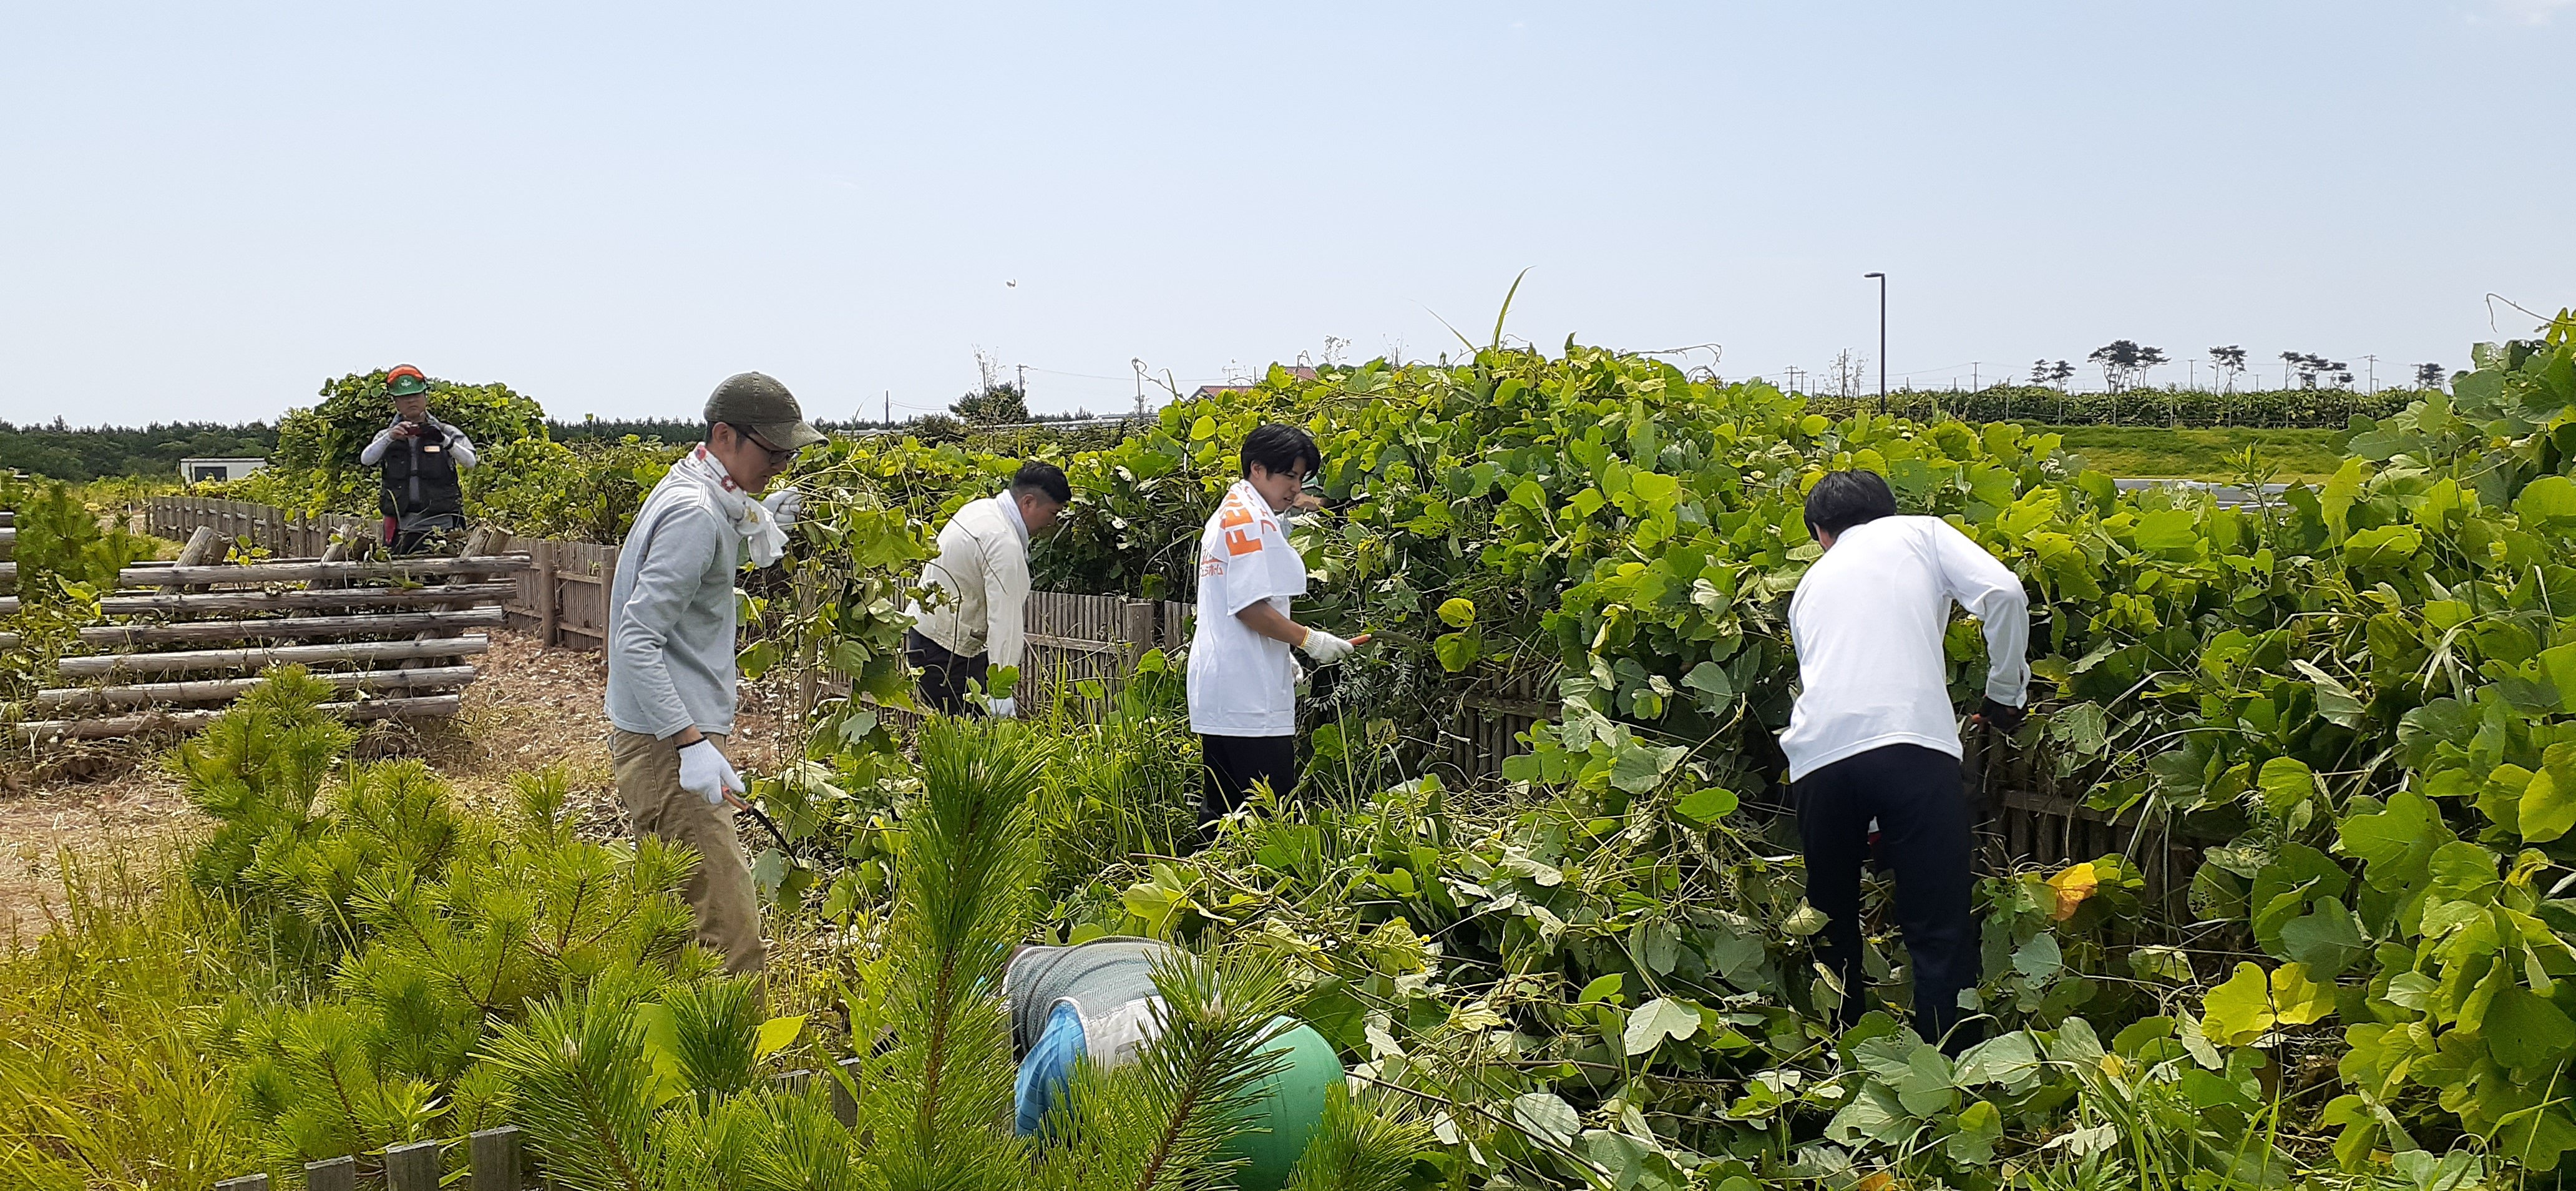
(8, 572)
(396, 636)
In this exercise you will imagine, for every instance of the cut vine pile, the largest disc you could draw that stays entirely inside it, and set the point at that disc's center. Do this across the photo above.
(1594, 972)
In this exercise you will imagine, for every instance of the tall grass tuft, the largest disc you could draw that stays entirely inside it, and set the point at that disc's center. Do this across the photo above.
(1119, 787)
(103, 1081)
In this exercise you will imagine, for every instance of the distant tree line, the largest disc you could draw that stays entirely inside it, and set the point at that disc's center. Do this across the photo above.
(65, 452)
(2124, 364)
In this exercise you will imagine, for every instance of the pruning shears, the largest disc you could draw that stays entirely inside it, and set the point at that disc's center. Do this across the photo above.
(771, 825)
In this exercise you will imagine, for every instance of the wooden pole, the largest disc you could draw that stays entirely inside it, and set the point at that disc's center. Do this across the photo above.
(278, 601)
(202, 545)
(181, 661)
(316, 626)
(335, 552)
(41, 731)
(808, 604)
(544, 553)
(203, 690)
(305, 572)
(493, 1155)
(412, 1167)
(1137, 630)
(845, 1101)
(331, 1174)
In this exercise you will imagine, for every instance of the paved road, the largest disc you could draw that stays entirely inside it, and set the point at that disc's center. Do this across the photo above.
(2228, 494)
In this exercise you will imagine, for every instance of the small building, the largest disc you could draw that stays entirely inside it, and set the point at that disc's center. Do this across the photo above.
(204, 471)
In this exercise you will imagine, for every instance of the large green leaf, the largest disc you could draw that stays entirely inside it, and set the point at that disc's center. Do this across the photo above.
(2286, 782)
(2327, 939)
(1546, 1116)
(1638, 767)
(2549, 501)
(1457, 651)
(2335, 701)
(2393, 842)
(2528, 1033)
(1706, 805)
(1657, 1020)
(2170, 532)
(2548, 807)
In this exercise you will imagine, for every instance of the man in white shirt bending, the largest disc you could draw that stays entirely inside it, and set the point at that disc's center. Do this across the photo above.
(978, 621)
(1873, 736)
(1242, 683)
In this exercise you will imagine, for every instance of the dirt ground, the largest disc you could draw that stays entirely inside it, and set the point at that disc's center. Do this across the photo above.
(527, 708)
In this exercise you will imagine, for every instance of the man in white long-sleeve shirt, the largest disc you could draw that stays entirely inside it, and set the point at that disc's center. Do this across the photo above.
(976, 621)
(421, 455)
(1873, 735)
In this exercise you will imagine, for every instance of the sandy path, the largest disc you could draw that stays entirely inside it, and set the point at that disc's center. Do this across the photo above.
(528, 708)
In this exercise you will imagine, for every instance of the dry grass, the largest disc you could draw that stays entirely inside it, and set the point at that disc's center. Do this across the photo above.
(133, 813)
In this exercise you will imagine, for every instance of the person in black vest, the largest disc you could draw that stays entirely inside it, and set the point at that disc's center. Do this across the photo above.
(421, 456)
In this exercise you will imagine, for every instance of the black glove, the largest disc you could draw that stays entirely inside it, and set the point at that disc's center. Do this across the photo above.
(2003, 716)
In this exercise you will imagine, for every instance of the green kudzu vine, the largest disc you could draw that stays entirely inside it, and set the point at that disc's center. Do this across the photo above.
(2363, 686)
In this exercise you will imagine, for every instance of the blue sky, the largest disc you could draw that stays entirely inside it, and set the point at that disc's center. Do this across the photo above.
(208, 209)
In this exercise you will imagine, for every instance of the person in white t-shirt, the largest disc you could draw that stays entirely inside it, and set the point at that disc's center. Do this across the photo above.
(1242, 683)
(1873, 736)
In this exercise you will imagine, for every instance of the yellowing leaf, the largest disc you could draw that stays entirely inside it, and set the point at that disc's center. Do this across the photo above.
(2075, 883)
(2548, 807)
(2246, 1007)
(775, 1034)
(2297, 1000)
(2239, 1011)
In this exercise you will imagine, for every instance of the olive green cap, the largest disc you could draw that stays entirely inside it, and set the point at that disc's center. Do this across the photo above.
(757, 400)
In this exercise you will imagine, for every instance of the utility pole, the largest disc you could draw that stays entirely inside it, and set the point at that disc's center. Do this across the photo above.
(2374, 372)
(1974, 384)
(889, 409)
(1139, 365)
(1024, 382)
(1882, 340)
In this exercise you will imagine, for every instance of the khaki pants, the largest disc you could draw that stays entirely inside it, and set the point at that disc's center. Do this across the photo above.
(648, 782)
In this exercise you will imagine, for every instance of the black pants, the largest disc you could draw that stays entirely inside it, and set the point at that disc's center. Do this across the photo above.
(425, 534)
(944, 675)
(1235, 764)
(1924, 834)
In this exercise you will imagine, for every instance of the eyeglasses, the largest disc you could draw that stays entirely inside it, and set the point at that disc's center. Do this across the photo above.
(778, 456)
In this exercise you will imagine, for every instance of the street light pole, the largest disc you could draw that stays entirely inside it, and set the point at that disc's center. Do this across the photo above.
(1882, 340)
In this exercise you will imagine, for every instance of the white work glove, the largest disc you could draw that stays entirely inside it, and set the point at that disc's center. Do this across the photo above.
(1007, 709)
(784, 505)
(705, 772)
(1324, 647)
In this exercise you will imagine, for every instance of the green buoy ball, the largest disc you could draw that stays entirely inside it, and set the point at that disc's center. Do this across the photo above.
(1291, 1105)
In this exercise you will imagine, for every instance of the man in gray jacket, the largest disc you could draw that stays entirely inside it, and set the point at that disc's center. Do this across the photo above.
(671, 644)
